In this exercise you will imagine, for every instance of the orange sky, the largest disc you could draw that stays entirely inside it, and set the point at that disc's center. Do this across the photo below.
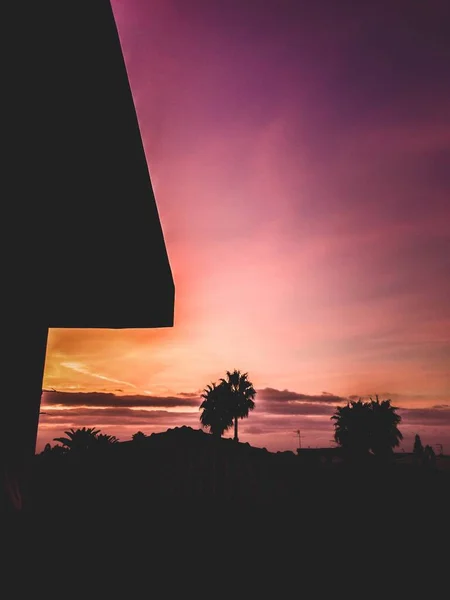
(305, 211)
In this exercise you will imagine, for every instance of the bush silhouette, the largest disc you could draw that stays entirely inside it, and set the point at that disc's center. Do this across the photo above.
(81, 440)
(367, 428)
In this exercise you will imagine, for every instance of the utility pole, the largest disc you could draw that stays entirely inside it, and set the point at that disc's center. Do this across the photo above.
(297, 431)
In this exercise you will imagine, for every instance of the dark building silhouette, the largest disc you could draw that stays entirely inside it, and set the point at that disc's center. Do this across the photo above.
(82, 241)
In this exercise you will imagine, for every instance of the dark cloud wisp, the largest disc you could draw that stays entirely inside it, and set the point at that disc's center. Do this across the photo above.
(103, 399)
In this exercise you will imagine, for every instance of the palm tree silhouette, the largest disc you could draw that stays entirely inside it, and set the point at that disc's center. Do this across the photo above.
(385, 433)
(79, 440)
(352, 431)
(240, 394)
(216, 413)
(363, 428)
(104, 440)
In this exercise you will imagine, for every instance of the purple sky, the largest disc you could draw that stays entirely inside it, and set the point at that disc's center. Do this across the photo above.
(300, 155)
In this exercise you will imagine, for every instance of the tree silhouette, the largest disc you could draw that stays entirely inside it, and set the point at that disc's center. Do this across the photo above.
(79, 440)
(139, 436)
(352, 430)
(418, 447)
(385, 435)
(104, 440)
(429, 457)
(56, 449)
(363, 428)
(216, 413)
(240, 393)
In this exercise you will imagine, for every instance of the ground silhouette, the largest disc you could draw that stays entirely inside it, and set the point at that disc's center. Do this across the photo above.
(187, 466)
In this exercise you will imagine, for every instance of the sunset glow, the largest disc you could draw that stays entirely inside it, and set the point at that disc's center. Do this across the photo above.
(301, 171)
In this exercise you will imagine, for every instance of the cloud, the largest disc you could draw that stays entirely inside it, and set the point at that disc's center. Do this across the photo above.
(272, 400)
(119, 414)
(80, 368)
(301, 408)
(277, 415)
(254, 430)
(114, 416)
(115, 421)
(274, 395)
(270, 403)
(112, 400)
(407, 400)
(426, 416)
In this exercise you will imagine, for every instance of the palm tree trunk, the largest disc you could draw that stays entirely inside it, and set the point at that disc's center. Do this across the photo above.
(236, 439)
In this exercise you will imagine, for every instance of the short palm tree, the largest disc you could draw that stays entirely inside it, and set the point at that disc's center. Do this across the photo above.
(79, 440)
(103, 440)
(240, 395)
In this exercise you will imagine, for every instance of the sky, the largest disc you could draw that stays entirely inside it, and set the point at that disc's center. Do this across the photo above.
(300, 157)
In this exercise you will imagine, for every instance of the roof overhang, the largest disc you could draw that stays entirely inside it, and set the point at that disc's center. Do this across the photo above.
(83, 208)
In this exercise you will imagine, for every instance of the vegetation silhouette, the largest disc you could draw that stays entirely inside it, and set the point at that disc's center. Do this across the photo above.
(184, 467)
(369, 428)
(138, 436)
(240, 395)
(84, 439)
(417, 448)
(429, 457)
(57, 450)
(227, 402)
(93, 471)
(105, 440)
(216, 409)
